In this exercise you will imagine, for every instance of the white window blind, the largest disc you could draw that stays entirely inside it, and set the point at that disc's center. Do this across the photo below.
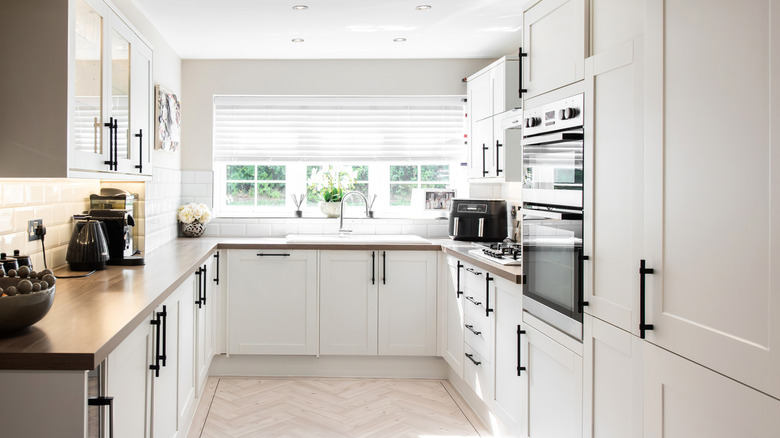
(257, 128)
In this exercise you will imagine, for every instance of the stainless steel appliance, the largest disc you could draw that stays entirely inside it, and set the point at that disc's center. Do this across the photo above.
(478, 220)
(505, 253)
(118, 199)
(119, 232)
(553, 153)
(552, 266)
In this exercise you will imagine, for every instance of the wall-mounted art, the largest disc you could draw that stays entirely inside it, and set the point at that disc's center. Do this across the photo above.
(167, 123)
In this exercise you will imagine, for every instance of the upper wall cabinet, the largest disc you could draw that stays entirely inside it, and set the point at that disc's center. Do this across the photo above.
(555, 42)
(77, 96)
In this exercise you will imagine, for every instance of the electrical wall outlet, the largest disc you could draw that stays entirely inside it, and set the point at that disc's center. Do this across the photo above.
(32, 225)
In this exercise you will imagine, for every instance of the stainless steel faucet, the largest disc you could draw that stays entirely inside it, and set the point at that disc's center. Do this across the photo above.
(342, 230)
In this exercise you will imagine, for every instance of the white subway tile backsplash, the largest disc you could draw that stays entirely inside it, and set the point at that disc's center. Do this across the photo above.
(311, 228)
(232, 230)
(283, 228)
(21, 216)
(258, 230)
(13, 194)
(204, 176)
(187, 176)
(419, 230)
(6, 220)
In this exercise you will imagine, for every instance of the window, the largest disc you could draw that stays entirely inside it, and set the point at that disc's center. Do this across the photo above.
(266, 149)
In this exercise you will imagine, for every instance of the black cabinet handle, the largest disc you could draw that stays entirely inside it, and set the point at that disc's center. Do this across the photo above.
(473, 271)
(471, 329)
(642, 272)
(488, 279)
(520, 332)
(373, 267)
(484, 149)
(384, 267)
(274, 255)
(105, 401)
(216, 278)
(156, 366)
(204, 277)
(476, 303)
(471, 358)
(140, 165)
(110, 126)
(498, 145)
(521, 55)
(116, 144)
(164, 315)
(458, 292)
(199, 273)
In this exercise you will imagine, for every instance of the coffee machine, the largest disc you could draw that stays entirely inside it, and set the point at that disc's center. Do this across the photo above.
(116, 208)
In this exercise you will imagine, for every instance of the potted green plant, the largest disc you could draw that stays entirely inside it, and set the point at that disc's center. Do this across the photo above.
(331, 183)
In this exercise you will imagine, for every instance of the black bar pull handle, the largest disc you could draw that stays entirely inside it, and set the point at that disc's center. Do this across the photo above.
(498, 169)
(458, 292)
(216, 278)
(521, 55)
(140, 137)
(484, 149)
(116, 144)
(164, 315)
(582, 304)
(273, 255)
(520, 332)
(642, 272)
(199, 273)
(204, 278)
(373, 267)
(105, 401)
(471, 329)
(384, 267)
(476, 303)
(110, 126)
(488, 279)
(471, 358)
(156, 366)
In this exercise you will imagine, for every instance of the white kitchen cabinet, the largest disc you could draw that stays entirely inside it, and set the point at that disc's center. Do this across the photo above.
(555, 40)
(614, 184)
(272, 302)
(165, 397)
(613, 381)
(712, 295)
(481, 164)
(206, 310)
(683, 399)
(507, 368)
(378, 302)
(479, 323)
(185, 344)
(79, 57)
(551, 390)
(480, 96)
(451, 293)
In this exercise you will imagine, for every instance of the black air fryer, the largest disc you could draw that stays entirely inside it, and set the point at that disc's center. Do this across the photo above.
(478, 220)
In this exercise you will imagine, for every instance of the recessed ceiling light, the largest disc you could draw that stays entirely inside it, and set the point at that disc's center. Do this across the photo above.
(297, 40)
(300, 7)
(399, 40)
(423, 7)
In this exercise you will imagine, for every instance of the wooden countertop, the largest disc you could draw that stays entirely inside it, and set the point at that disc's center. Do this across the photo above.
(91, 316)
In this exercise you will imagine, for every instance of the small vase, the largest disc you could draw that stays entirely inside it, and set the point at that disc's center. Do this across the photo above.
(194, 229)
(330, 209)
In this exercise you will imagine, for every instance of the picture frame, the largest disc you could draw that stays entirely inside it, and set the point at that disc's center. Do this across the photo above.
(167, 120)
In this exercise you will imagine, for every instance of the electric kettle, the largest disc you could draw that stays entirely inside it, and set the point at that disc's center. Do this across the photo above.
(88, 248)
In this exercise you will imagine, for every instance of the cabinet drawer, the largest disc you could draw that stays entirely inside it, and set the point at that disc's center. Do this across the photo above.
(477, 374)
(477, 334)
(474, 282)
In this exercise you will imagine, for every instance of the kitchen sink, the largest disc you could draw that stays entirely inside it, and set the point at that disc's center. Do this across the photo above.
(356, 239)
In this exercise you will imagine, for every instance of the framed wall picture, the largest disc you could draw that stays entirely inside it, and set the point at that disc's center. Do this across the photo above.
(433, 200)
(167, 123)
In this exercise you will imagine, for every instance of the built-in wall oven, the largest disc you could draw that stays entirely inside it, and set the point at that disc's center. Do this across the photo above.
(552, 227)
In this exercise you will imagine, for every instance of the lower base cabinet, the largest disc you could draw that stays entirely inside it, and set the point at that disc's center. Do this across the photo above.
(508, 374)
(451, 297)
(128, 380)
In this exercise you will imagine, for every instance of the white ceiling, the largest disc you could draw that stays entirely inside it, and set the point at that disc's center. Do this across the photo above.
(336, 29)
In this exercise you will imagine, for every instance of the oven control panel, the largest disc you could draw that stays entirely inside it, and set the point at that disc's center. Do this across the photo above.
(554, 116)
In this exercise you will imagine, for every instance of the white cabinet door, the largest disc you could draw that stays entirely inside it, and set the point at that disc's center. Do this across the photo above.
(614, 184)
(348, 302)
(407, 303)
(480, 92)
(481, 163)
(508, 375)
(165, 394)
(551, 398)
(128, 381)
(613, 381)
(683, 399)
(554, 37)
(712, 297)
(272, 302)
(185, 344)
(141, 110)
(451, 290)
(205, 322)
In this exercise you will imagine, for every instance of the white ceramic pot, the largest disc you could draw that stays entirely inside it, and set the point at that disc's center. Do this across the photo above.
(330, 209)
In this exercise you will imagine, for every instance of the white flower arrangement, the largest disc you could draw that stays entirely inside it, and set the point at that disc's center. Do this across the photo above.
(194, 213)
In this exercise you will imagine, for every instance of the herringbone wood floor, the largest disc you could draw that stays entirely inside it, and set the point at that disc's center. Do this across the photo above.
(332, 407)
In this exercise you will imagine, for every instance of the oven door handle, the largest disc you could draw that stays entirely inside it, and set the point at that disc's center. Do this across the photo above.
(555, 137)
(550, 214)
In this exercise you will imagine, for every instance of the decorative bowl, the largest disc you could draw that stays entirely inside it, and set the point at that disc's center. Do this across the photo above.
(194, 229)
(23, 310)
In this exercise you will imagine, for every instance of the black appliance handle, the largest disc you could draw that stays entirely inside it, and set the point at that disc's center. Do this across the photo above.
(384, 267)
(110, 161)
(521, 55)
(484, 149)
(199, 273)
(458, 292)
(105, 401)
(498, 169)
(520, 332)
(471, 358)
(488, 279)
(140, 165)
(164, 315)
(373, 267)
(274, 255)
(204, 277)
(642, 272)
(216, 278)
(156, 366)
(550, 214)
(471, 329)
(476, 303)
(581, 292)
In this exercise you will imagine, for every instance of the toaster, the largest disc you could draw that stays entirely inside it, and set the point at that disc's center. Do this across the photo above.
(478, 220)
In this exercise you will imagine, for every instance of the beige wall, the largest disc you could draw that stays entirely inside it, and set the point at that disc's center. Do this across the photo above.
(202, 79)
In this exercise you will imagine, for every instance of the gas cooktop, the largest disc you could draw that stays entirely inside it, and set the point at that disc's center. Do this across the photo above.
(503, 253)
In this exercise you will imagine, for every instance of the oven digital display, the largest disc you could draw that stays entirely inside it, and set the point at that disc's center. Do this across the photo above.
(472, 208)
